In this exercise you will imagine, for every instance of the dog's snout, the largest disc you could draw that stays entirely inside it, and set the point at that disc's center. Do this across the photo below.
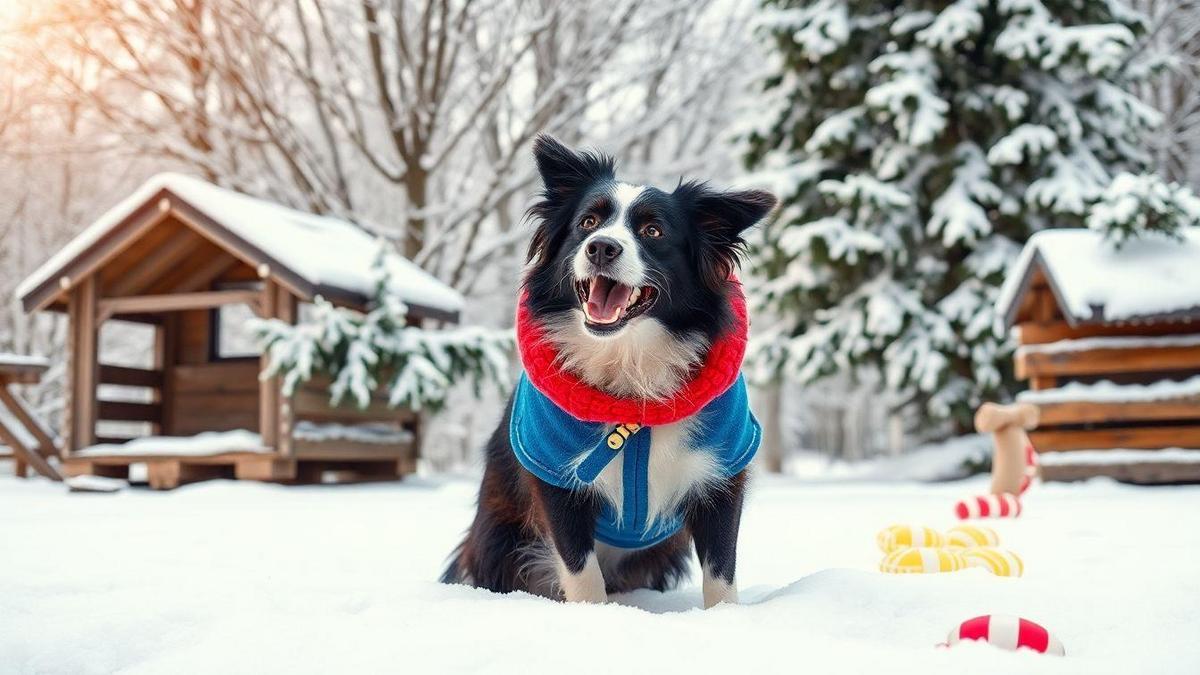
(602, 250)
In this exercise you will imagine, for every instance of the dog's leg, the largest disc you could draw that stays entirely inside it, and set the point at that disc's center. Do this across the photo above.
(714, 521)
(572, 520)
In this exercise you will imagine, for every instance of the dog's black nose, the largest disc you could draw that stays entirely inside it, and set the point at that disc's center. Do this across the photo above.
(603, 250)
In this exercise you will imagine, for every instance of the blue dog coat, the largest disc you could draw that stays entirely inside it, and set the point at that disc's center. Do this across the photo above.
(571, 454)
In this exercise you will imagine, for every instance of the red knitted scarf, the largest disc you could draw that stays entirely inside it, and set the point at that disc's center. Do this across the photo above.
(588, 404)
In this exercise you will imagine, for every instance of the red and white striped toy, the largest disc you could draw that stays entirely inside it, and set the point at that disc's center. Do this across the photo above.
(1007, 632)
(989, 506)
(1031, 468)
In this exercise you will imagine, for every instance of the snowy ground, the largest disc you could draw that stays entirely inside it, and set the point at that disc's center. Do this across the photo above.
(247, 578)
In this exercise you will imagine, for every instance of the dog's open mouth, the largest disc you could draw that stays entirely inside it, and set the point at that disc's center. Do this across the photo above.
(609, 305)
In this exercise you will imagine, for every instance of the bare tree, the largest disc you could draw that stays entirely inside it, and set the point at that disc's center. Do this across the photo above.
(1175, 38)
(412, 117)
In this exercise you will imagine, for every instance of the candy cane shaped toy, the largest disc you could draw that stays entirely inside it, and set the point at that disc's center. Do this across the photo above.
(1007, 632)
(988, 506)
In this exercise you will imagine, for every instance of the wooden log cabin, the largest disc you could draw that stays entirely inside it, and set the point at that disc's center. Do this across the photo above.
(189, 263)
(1109, 341)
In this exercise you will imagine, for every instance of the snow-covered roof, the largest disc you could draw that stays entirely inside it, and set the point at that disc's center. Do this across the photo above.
(1093, 282)
(327, 255)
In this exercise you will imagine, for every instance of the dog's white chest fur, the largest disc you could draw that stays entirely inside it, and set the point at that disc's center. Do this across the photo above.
(675, 468)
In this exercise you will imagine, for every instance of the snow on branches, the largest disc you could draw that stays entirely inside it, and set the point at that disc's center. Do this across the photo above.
(1138, 204)
(362, 352)
(925, 142)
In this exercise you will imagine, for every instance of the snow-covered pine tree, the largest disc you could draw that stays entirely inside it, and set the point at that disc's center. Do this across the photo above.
(364, 353)
(918, 143)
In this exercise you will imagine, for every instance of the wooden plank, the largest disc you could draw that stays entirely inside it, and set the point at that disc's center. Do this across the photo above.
(1033, 332)
(202, 277)
(350, 450)
(130, 377)
(1045, 307)
(125, 411)
(136, 251)
(22, 373)
(177, 302)
(265, 468)
(83, 467)
(195, 334)
(47, 446)
(162, 260)
(269, 395)
(26, 455)
(168, 474)
(1136, 438)
(116, 458)
(215, 412)
(83, 365)
(1142, 473)
(84, 265)
(221, 376)
(166, 356)
(1105, 361)
(1085, 412)
(147, 319)
(1041, 382)
(164, 474)
(286, 311)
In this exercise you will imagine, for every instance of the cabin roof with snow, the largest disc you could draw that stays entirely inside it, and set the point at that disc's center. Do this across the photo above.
(310, 255)
(1150, 279)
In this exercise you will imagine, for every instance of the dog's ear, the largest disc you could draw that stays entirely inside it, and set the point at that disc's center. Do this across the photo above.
(565, 175)
(725, 215)
(721, 218)
(564, 171)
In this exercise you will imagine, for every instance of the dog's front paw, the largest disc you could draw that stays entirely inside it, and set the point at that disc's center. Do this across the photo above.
(586, 585)
(718, 590)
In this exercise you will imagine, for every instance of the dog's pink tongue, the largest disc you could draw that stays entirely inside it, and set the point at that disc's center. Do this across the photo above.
(606, 299)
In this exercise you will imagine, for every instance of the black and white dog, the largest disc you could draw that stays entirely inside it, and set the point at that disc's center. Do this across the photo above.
(630, 288)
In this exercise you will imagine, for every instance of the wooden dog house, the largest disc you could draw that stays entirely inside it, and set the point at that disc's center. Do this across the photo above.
(1109, 340)
(180, 255)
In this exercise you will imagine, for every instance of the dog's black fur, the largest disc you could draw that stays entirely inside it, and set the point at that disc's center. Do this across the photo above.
(688, 266)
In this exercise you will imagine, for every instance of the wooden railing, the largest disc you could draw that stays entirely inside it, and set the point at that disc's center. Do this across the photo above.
(130, 411)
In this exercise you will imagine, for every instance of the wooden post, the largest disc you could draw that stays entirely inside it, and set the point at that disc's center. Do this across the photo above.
(83, 367)
(286, 310)
(268, 390)
(166, 355)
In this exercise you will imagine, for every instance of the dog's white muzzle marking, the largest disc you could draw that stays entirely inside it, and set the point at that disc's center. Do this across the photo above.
(627, 268)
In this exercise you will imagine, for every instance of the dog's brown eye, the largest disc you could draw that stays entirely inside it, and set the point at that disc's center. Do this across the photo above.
(589, 222)
(651, 230)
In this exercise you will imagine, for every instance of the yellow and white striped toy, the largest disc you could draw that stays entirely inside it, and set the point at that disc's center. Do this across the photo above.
(904, 536)
(923, 560)
(967, 536)
(998, 561)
